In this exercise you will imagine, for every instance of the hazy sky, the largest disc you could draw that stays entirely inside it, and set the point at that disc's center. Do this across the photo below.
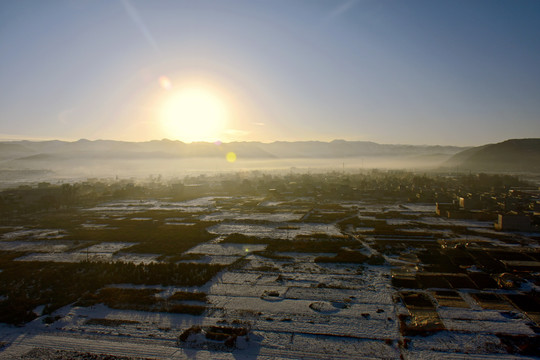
(411, 72)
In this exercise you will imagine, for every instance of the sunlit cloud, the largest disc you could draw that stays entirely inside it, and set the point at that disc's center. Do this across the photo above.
(259, 123)
(134, 15)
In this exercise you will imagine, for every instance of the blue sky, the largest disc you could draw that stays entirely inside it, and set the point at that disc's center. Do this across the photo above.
(409, 72)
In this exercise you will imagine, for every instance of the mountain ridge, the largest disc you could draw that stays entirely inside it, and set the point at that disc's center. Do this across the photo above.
(24, 149)
(94, 158)
(513, 155)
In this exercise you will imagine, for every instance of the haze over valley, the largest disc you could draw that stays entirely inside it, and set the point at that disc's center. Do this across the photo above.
(274, 179)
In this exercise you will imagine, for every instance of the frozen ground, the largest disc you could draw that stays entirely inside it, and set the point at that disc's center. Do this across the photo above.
(134, 206)
(300, 322)
(225, 249)
(276, 231)
(33, 234)
(295, 308)
(100, 252)
(290, 316)
(229, 215)
(38, 246)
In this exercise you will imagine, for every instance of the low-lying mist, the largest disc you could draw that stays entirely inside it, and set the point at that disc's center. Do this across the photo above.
(70, 170)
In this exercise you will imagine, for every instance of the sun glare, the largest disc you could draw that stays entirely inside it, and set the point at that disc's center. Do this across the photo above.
(194, 114)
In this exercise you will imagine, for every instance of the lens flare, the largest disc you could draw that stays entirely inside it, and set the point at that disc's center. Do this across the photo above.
(165, 83)
(231, 157)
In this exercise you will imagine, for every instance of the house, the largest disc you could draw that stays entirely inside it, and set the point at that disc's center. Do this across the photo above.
(513, 221)
(443, 208)
(470, 202)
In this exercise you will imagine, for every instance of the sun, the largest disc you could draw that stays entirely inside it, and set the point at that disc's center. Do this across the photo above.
(194, 114)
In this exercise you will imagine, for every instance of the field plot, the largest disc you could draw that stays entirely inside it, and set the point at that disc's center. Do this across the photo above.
(98, 252)
(262, 216)
(32, 234)
(135, 206)
(277, 231)
(37, 246)
(225, 249)
(244, 277)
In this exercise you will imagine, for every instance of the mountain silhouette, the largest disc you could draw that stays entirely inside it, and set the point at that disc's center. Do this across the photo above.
(515, 155)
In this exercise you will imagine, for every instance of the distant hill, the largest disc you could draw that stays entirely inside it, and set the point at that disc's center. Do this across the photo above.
(10, 150)
(105, 158)
(516, 155)
(163, 149)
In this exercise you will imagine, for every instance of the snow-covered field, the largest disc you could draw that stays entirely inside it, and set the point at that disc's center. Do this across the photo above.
(276, 231)
(100, 252)
(229, 215)
(293, 306)
(301, 321)
(134, 206)
(225, 249)
(38, 246)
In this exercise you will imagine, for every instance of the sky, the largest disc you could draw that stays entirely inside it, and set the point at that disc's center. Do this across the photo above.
(456, 72)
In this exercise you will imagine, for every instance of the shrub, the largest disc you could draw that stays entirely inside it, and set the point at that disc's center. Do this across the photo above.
(185, 309)
(194, 296)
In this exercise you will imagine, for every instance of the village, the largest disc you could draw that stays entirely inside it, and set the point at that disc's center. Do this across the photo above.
(370, 264)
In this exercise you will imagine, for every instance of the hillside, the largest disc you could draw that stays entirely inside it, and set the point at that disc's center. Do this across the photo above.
(84, 149)
(102, 158)
(515, 155)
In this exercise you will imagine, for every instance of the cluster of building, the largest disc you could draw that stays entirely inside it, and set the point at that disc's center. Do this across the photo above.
(516, 210)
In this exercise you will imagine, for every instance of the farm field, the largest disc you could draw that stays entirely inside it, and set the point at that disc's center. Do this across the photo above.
(247, 276)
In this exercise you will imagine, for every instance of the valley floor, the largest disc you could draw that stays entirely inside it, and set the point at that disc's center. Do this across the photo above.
(302, 304)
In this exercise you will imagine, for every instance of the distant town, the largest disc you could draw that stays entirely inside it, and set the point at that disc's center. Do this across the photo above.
(237, 180)
(374, 264)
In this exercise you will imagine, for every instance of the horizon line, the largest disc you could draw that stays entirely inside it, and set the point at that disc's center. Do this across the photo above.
(11, 138)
